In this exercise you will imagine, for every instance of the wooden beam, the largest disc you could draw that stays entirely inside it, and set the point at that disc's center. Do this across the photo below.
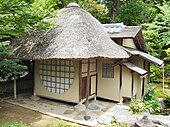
(80, 81)
(143, 87)
(88, 84)
(132, 87)
(96, 78)
(120, 87)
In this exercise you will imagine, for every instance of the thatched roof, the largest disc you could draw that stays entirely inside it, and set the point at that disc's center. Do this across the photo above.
(76, 35)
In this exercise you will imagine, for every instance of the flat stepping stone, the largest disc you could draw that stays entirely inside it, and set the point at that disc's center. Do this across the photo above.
(93, 106)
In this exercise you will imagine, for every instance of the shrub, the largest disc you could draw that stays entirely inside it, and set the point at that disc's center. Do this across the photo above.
(137, 106)
(151, 100)
(15, 124)
(167, 101)
(149, 104)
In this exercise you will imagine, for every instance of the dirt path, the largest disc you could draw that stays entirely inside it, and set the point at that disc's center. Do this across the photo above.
(9, 112)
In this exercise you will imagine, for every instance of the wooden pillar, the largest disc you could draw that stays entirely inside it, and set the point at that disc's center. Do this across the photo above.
(80, 81)
(143, 87)
(96, 80)
(120, 87)
(132, 87)
(88, 83)
(86, 117)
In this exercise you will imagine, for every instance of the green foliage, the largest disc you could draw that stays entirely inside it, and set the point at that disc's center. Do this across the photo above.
(137, 106)
(148, 104)
(98, 10)
(114, 123)
(136, 13)
(61, 123)
(157, 36)
(167, 101)
(16, 17)
(151, 100)
(15, 124)
(9, 68)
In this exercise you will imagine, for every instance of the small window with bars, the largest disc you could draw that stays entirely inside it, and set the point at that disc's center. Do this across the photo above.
(107, 70)
(56, 75)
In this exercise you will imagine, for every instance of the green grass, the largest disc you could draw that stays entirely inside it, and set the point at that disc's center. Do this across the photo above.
(62, 123)
(13, 124)
(159, 88)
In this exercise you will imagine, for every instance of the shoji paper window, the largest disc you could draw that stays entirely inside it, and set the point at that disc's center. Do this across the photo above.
(56, 75)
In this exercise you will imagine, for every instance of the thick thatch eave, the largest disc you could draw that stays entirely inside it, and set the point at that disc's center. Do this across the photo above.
(76, 35)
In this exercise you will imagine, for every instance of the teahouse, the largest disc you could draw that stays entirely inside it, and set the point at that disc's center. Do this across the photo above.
(77, 59)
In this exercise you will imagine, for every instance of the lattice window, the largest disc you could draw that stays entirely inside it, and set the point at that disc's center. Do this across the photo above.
(107, 70)
(56, 75)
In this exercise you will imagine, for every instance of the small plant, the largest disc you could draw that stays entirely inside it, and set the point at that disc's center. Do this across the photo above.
(114, 123)
(167, 101)
(137, 106)
(15, 124)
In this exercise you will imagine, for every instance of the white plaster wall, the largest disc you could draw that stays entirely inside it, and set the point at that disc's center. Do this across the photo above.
(108, 88)
(126, 82)
(93, 84)
(71, 95)
(129, 43)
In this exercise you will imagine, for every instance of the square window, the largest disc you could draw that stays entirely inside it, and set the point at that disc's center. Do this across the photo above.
(53, 90)
(62, 86)
(66, 80)
(53, 84)
(107, 70)
(62, 80)
(66, 87)
(62, 68)
(67, 75)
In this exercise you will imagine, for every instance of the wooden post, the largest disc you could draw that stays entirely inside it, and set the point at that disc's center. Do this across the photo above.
(80, 81)
(88, 84)
(15, 87)
(86, 117)
(132, 85)
(120, 88)
(143, 87)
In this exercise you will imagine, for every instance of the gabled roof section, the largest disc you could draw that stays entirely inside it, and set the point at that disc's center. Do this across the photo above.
(146, 56)
(133, 32)
(76, 35)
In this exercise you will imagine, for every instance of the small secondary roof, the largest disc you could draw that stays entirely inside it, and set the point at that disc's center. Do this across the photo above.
(135, 68)
(146, 56)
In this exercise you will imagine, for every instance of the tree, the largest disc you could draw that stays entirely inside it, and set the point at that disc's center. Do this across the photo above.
(157, 35)
(136, 13)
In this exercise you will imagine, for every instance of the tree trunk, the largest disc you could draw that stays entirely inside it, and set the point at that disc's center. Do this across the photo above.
(15, 88)
(115, 9)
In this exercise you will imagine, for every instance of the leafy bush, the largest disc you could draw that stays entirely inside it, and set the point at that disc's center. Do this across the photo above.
(137, 106)
(151, 100)
(16, 124)
(167, 101)
(149, 104)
